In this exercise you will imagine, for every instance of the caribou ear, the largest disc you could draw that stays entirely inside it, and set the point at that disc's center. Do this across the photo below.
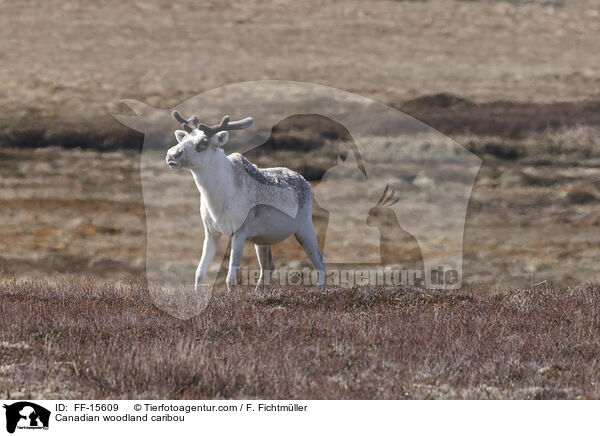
(222, 138)
(180, 134)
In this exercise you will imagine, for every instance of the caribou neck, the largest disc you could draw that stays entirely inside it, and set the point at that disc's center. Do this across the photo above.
(215, 182)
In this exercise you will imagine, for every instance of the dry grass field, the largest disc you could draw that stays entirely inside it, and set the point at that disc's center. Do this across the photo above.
(515, 82)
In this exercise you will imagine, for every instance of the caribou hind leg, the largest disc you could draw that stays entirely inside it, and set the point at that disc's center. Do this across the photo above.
(307, 238)
(271, 263)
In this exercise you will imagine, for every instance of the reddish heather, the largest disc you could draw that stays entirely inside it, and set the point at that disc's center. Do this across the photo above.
(85, 339)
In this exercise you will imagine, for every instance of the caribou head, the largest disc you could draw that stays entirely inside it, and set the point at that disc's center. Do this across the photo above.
(197, 141)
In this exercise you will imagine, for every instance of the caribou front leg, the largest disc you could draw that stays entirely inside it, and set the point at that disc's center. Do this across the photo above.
(209, 249)
(265, 261)
(235, 259)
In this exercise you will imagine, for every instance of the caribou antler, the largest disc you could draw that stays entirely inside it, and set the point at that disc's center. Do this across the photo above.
(189, 124)
(387, 200)
(225, 124)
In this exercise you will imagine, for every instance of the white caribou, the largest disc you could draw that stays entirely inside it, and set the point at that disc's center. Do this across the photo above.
(242, 201)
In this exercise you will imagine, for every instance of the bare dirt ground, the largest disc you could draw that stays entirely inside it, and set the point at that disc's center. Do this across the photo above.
(515, 82)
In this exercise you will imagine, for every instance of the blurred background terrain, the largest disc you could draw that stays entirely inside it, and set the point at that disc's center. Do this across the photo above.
(515, 82)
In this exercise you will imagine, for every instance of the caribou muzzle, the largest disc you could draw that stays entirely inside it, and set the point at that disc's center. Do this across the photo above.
(174, 158)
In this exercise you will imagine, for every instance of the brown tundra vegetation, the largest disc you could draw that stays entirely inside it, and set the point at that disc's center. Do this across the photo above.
(88, 339)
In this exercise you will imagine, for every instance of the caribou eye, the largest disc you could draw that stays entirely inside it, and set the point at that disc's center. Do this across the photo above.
(202, 144)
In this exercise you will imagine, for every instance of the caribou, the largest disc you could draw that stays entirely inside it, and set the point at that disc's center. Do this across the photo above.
(241, 201)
